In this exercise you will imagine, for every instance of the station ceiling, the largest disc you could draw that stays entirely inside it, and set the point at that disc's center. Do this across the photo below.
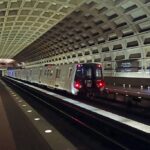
(23, 21)
(33, 30)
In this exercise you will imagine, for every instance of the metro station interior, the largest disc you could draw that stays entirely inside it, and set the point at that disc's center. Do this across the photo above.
(74, 74)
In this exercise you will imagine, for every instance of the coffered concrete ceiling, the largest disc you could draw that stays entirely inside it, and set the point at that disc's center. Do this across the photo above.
(106, 24)
(23, 21)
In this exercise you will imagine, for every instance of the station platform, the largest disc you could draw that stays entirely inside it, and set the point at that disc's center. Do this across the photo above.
(17, 132)
(56, 141)
(22, 128)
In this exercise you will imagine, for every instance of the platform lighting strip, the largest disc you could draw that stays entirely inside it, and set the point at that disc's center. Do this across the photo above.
(123, 120)
(29, 110)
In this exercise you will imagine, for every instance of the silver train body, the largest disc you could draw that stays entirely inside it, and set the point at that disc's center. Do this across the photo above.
(73, 78)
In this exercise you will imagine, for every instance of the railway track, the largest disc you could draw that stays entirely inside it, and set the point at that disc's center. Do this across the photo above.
(109, 132)
(103, 102)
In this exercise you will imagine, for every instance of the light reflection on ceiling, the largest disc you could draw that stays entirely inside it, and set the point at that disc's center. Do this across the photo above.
(7, 61)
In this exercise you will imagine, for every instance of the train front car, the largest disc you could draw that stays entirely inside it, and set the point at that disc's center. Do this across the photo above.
(89, 79)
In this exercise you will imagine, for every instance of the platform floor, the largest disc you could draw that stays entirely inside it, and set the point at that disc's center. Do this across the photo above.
(16, 131)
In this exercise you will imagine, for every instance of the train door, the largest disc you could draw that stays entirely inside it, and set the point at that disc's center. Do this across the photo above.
(57, 77)
(89, 77)
(53, 77)
(68, 78)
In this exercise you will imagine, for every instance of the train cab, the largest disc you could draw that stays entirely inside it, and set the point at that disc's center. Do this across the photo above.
(89, 78)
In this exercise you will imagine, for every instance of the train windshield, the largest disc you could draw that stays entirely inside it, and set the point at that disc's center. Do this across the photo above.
(79, 72)
(98, 72)
(88, 72)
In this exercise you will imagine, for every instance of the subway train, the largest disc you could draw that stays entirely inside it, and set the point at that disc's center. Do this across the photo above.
(82, 78)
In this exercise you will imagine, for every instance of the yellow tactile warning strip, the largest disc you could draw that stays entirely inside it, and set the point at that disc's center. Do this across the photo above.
(6, 138)
(53, 137)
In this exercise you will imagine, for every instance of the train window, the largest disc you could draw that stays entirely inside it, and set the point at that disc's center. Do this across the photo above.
(48, 72)
(51, 73)
(98, 72)
(88, 73)
(58, 73)
(79, 73)
(45, 72)
(83, 72)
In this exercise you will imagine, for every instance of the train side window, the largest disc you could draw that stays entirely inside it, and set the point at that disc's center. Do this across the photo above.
(57, 73)
(51, 72)
(48, 72)
(70, 72)
(45, 72)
